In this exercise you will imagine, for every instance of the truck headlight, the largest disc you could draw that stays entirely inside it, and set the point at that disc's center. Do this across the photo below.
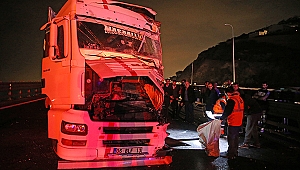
(74, 128)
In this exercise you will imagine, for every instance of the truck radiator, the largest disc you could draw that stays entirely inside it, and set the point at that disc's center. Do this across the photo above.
(127, 130)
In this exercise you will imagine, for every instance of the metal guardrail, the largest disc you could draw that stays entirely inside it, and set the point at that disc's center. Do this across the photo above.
(285, 117)
(282, 116)
(16, 90)
(17, 93)
(282, 119)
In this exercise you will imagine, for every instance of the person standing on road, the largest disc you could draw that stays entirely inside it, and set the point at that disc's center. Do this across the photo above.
(236, 88)
(211, 97)
(215, 84)
(174, 99)
(219, 107)
(234, 112)
(168, 93)
(261, 96)
(228, 85)
(181, 103)
(203, 90)
(218, 110)
(189, 97)
(253, 112)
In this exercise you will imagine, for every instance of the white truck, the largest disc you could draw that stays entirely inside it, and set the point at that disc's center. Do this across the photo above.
(102, 74)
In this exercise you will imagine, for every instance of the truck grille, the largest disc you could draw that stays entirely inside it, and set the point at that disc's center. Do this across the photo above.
(124, 143)
(127, 130)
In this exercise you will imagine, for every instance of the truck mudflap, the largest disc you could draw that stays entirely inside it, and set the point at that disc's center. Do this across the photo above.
(146, 161)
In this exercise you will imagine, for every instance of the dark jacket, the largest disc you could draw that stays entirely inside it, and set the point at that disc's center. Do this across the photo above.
(190, 94)
(261, 97)
(168, 90)
(176, 91)
(252, 106)
(211, 98)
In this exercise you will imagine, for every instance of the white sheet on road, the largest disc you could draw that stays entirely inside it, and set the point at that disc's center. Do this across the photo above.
(209, 135)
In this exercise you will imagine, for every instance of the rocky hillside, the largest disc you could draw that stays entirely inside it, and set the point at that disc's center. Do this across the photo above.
(274, 57)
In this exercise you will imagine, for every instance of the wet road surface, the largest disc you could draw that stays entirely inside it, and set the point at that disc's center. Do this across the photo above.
(24, 145)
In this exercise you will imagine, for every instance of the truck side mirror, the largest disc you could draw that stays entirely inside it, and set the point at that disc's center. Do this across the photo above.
(66, 37)
(53, 48)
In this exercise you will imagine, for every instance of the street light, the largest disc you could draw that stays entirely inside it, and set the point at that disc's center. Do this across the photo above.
(192, 74)
(233, 65)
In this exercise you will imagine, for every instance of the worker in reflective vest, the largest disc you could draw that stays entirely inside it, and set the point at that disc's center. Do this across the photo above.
(219, 107)
(234, 112)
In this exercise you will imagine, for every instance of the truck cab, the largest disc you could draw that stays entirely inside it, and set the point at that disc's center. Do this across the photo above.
(102, 73)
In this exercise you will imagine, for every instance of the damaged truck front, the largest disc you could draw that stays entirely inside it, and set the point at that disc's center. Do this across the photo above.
(102, 72)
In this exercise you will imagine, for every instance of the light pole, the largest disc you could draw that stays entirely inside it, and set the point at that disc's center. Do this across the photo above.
(233, 63)
(192, 73)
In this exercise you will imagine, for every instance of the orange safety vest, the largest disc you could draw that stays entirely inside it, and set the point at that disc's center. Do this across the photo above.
(217, 107)
(236, 117)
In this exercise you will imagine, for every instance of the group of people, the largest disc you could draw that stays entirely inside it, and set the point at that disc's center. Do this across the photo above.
(230, 106)
(173, 92)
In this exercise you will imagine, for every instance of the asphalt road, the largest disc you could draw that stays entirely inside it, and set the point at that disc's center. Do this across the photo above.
(24, 145)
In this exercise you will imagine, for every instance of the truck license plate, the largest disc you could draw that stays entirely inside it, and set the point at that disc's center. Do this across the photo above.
(128, 150)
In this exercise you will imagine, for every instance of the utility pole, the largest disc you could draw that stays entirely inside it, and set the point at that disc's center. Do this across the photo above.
(233, 60)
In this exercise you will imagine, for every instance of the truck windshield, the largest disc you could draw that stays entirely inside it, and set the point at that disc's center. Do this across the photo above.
(117, 39)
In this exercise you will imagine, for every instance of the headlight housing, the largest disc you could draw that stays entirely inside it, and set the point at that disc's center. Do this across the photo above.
(74, 128)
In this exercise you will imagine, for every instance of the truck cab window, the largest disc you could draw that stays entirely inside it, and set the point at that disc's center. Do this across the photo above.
(60, 43)
(46, 44)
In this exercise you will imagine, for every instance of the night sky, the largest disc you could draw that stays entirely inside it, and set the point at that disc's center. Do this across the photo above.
(188, 28)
